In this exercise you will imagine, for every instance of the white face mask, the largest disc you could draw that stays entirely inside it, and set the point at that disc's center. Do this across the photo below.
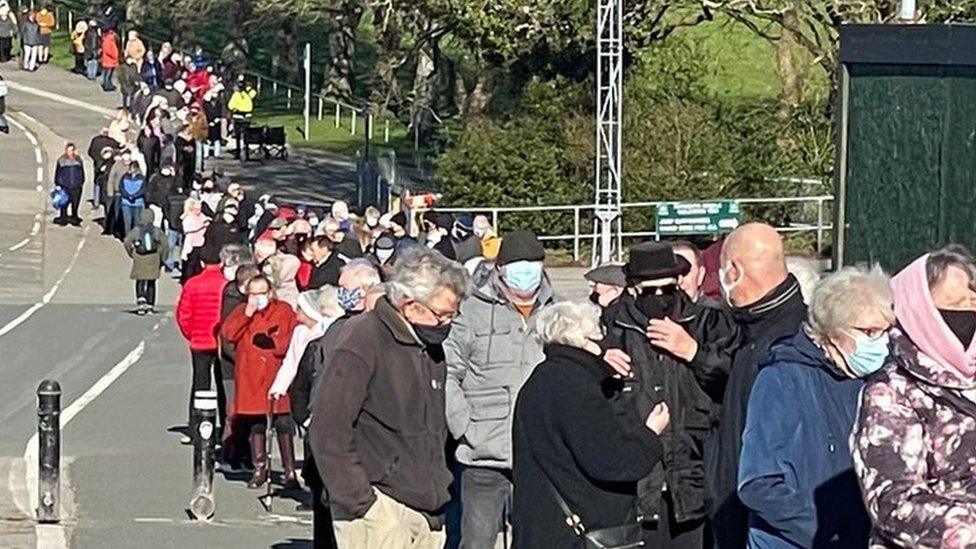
(229, 218)
(384, 255)
(727, 287)
(230, 273)
(262, 301)
(434, 237)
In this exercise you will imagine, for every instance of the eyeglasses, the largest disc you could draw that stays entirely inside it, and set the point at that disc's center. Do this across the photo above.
(872, 333)
(442, 317)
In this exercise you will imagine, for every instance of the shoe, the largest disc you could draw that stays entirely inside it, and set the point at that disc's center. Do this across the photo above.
(259, 456)
(286, 446)
(186, 440)
(150, 310)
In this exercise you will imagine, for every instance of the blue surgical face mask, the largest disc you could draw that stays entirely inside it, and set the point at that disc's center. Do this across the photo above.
(523, 276)
(869, 355)
(348, 299)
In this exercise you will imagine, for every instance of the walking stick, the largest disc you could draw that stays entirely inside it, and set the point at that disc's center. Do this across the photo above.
(267, 499)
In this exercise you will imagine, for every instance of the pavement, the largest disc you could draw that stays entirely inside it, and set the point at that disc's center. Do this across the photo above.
(66, 314)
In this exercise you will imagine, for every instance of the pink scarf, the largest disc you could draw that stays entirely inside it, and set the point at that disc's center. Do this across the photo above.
(921, 321)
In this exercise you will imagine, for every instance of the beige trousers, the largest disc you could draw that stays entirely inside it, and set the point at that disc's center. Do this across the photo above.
(388, 525)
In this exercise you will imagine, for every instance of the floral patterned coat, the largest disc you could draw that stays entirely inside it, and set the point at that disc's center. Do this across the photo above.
(914, 447)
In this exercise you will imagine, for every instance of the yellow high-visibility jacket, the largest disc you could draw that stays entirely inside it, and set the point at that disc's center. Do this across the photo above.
(242, 101)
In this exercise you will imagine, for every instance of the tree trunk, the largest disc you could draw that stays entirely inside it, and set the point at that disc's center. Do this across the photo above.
(420, 113)
(289, 52)
(136, 11)
(386, 87)
(342, 48)
(481, 94)
(243, 9)
(791, 86)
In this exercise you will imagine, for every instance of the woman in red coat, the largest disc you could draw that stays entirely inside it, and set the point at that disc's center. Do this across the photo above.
(110, 58)
(260, 330)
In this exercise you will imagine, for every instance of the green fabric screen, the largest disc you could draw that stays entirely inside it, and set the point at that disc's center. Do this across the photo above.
(911, 162)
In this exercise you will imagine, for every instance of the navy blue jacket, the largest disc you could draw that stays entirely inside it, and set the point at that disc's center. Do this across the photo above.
(69, 173)
(796, 474)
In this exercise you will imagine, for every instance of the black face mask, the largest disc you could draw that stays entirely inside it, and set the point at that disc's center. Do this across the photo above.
(656, 305)
(432, 335)
(962, 324)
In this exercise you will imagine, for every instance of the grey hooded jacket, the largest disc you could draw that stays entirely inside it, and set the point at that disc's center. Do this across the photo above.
(490, 353)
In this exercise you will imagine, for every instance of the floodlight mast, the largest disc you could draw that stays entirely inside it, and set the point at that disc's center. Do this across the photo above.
(609, 122)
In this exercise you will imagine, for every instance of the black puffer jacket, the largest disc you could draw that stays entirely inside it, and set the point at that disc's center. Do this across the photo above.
(692, 392)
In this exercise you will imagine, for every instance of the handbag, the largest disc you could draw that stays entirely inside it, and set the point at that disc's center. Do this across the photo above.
(625, 536)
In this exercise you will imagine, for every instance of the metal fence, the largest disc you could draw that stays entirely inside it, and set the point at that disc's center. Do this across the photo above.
(812, 212)
(272, 94)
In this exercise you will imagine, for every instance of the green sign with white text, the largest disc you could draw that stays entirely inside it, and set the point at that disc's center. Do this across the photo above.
(682, 218)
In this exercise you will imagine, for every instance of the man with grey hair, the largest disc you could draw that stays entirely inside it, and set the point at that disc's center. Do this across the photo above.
(378, 428)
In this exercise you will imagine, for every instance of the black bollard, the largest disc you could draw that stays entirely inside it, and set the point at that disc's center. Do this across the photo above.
(203, 430)
(48, 451)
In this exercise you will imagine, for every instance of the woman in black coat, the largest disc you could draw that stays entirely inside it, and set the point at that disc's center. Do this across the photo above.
(568, 438)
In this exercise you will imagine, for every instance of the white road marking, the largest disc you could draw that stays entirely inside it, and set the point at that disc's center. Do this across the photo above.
(59, 98)
(19, 245)
(40, 178)
(24, 114)
(53, 535)
(9, 327)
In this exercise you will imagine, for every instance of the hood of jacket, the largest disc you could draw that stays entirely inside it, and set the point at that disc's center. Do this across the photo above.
(147, 217)
(919, 319)
(802, 349)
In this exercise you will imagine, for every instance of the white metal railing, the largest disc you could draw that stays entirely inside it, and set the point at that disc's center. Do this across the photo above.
(345, 115)
(819, 226)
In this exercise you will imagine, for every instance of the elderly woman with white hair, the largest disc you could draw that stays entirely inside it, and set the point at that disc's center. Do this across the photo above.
(796, 473)
(317, 309)
(574, 458)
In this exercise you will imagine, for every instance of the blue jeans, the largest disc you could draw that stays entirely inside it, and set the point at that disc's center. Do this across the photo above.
(91, 68)
(107, 79)
(485, 501)
(130, 214)
(173, 241)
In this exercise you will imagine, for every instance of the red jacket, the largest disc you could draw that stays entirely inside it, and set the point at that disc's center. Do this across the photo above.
(260, 344)
(198, 311)
(110, 51)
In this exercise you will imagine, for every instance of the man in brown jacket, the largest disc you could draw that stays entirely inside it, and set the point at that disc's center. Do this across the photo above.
(378, 427)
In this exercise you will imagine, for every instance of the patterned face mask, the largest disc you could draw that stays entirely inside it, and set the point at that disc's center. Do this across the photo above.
(349, 299)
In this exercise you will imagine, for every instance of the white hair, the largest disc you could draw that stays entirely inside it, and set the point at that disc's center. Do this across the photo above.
(321, 303)
(807, 273)
(364, 272)
(420, 272)
(264, 248)
(839, 298)
(569, 323)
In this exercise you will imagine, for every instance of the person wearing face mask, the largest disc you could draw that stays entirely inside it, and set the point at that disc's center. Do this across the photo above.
(766, 304)
(261, 331)
(236, 455)
(198, 316)
(571, 448)
(680, 355)
(607, 285)
(378, 430)
(491, 351)
(796, 474)
(384, 250)
(437, 237)
(915, 439)
(223, 230)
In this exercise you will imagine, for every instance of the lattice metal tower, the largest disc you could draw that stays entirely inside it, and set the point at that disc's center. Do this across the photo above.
(609, 121)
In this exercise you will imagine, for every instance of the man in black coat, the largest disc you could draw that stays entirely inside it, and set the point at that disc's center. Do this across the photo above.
(767, 306)
(69, 174)
(681, 355)
(96, 149)
(326, 263)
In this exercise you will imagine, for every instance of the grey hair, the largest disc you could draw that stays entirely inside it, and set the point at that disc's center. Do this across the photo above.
(839, 298)
(953, 255)
(807, 273)
(325, 300)
(364, 271)
(232, 255)
(569, 323)
(420, 272)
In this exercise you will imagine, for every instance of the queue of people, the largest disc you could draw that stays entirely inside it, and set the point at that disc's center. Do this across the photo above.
(446, 395)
